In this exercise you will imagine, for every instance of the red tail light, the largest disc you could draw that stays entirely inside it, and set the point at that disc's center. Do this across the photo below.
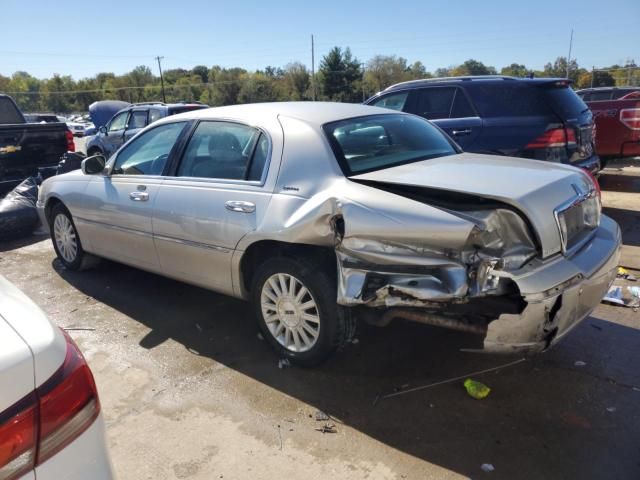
(43, 423)
(553, 138)
(71, 145)
(630, 118)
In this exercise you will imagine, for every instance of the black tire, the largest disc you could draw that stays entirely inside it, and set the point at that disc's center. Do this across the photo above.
(335, 322)
(81, 260)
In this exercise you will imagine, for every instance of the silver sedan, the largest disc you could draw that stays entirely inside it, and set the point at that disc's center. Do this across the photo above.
(324, 213)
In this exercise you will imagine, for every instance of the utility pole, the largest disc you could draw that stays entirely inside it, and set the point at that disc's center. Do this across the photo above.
(629, 76)
(158, 58)
(313, 71)
(593, 73)
(569, 57)
(363, 96)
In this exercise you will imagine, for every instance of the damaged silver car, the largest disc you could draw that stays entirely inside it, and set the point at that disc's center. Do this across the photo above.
(324, 213)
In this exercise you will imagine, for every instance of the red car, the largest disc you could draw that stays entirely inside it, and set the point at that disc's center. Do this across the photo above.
(617, 114)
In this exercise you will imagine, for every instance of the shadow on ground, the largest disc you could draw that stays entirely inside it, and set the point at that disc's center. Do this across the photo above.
(545, 418)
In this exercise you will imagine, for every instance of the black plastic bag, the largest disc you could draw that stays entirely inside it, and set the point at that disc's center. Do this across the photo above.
(70, 161)
(18, 214)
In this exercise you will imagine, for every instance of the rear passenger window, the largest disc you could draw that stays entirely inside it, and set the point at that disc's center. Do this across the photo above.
(154, 115)
(600, 96)
(500, 100)
(226, 151)
(138, 119)
(461, 106)
(434, 103)
(394, 101)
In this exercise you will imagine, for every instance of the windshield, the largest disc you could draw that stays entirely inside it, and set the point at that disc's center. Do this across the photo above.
(376, 142)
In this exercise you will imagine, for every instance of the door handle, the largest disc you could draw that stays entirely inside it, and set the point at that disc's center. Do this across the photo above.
(139, 196)
(459, 133)
(240, 206)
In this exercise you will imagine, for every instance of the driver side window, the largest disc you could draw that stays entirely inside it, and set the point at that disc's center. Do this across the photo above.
(148, 154)
(118, 122)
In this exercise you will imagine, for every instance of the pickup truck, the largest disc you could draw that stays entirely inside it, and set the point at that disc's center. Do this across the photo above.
(617, 121)
(26, 147)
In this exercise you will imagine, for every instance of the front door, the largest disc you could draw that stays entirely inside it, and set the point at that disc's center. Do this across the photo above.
(114, 138)
(118, 207)
(215, 198)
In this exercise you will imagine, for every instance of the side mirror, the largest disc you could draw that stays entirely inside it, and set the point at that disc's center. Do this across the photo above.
(103, 130)
(93, 165)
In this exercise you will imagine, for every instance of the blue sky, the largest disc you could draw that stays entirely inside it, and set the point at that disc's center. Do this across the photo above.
(84, 38)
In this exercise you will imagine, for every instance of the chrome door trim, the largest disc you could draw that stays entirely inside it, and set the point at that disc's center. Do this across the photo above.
(191, 243)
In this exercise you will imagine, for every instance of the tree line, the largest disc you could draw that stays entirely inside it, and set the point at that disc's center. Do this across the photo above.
(340, 77)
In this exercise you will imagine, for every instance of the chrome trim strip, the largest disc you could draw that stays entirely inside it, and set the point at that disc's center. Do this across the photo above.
(113, 227)
(191, 243)
(180, 241)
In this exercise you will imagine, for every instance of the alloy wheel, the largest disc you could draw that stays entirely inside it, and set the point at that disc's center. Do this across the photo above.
(65, 236)
(290, 312)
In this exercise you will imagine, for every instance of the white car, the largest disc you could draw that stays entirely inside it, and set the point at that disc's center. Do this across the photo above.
(78, 129)
(50, 421)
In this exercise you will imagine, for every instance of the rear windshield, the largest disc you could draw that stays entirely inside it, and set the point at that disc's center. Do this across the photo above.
(376, 142)
(508, 100)
(565, 101)
(8, 111)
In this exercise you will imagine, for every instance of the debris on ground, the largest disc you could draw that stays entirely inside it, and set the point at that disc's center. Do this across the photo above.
(476, 389)
(579, 363)
(284, 363)
(327, 428)
(260, 337)
(629, 297)
(626, 274)
(611, 409)
(321, 416)
(450, 380)
(487, 467)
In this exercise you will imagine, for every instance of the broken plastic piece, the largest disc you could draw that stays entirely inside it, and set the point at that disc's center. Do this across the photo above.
(622, 272)
(327, 428)
(614, 295)
(321, 416)
(476, 389)
(487, 467)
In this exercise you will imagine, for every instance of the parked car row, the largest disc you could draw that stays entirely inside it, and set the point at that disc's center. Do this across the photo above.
(77, 124)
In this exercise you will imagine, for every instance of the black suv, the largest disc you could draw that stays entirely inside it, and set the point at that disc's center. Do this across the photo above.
(538, 118)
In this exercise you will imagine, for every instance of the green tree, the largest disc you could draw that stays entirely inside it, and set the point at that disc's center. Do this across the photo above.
(515, 70)
(296, 82)
(339, 73)
(559, 69)
(473, 67)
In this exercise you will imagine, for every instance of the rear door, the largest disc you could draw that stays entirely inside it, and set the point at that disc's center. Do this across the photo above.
(216, 196)
(450, 109)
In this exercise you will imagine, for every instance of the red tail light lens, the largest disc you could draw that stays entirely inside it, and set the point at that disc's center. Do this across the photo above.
(43, 423)
(18, 438)
(630, 118)
(71, 145)
(553, 138)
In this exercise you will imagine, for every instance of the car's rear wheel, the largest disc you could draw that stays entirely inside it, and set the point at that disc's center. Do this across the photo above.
(66, 241)
(296, 308)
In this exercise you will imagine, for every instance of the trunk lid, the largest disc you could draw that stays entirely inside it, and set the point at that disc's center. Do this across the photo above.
(534, 188)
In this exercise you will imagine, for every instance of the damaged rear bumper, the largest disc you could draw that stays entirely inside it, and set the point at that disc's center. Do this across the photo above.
(559, 293)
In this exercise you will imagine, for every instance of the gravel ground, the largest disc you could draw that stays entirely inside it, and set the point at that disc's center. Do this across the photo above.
(189, 390)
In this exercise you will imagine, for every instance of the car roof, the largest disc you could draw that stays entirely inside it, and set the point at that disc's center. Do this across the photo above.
(312, 113)
(476, 79)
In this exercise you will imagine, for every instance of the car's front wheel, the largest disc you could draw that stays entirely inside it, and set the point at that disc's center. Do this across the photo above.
(66, 241)
(296, 308)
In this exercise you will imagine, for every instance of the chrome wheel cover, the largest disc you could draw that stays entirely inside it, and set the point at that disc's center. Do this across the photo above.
(65, 237)
(290, 312)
